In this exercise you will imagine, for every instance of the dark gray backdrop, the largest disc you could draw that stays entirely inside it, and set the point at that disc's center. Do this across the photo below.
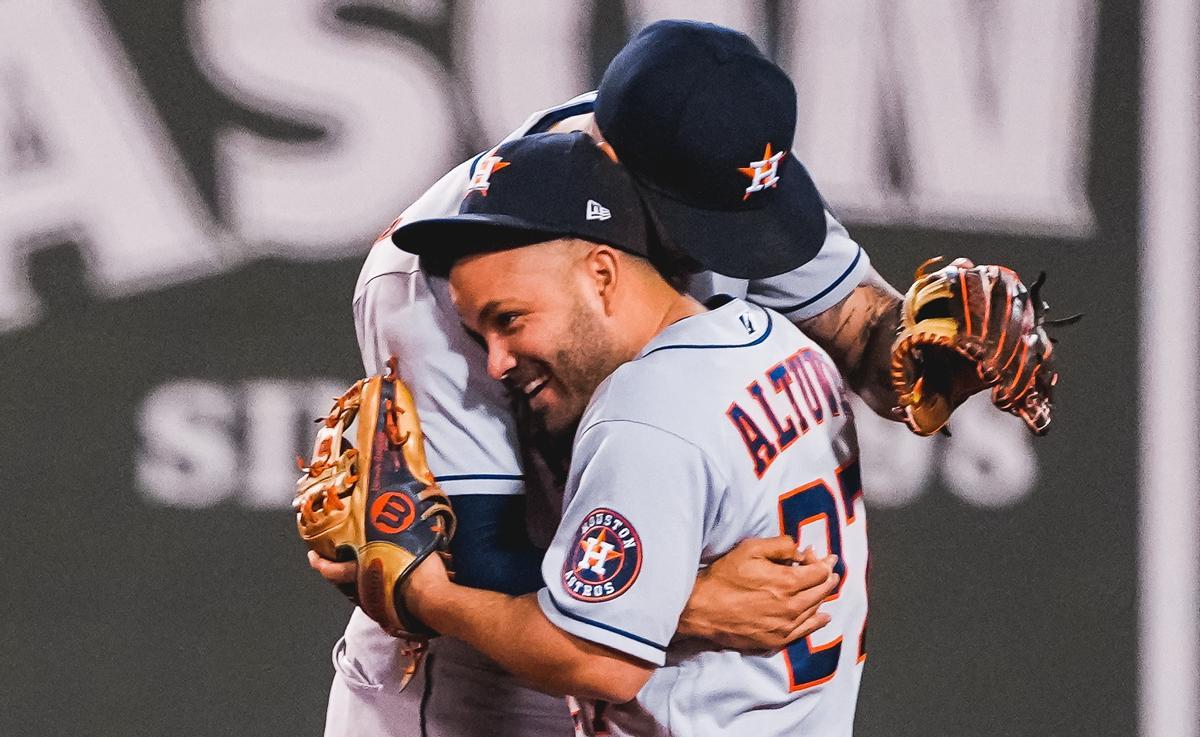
(122, 615)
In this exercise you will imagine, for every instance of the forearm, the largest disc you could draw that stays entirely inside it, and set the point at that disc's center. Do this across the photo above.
(513, 632)
(871, 376)
(857, 333)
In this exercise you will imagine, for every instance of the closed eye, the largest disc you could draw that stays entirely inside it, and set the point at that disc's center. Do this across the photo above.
(506, 322)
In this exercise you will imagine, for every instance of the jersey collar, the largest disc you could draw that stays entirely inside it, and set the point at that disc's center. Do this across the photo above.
(736, 324)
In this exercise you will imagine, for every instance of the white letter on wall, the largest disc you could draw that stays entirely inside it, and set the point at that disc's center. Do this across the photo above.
(189, 454)
(382, 102)
(104, 173)
(510, 76)
(982, 107)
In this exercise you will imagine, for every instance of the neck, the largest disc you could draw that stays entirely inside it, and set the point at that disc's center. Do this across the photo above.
(682, 306)
(668, 308)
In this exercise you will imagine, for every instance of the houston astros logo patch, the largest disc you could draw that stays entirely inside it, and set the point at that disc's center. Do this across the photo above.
(605, 560)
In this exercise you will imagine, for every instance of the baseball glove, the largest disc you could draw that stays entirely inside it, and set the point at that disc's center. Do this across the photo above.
(377, 503)
(965, 328)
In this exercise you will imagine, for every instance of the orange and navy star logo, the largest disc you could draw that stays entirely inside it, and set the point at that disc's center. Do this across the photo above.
(597, 552)
(605, 560)
(487, 166)
(764, 173)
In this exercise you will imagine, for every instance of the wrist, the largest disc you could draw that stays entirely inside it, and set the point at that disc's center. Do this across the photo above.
(690, 631)
(690, 625)
(424, 595)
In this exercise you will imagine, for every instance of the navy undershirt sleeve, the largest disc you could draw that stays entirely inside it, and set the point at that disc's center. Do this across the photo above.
(491, 548)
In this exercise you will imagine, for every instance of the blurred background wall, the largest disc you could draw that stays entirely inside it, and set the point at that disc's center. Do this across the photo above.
(187, 191)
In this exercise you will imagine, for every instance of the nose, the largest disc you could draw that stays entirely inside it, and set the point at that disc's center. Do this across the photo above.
(500, 360)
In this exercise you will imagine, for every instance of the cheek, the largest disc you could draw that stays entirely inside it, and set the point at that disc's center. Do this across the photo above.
(540, 338)
(526, 346)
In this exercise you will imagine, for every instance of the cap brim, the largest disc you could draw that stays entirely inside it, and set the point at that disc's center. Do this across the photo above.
(748, 244)
(440, 242)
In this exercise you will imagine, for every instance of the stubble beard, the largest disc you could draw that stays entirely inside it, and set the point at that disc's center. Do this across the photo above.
(586, 359)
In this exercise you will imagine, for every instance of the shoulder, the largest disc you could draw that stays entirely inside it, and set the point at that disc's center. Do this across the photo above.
(543, 120)
(817, 285)
(680, 384)
(382, 260)
(684, 365)
(634, 396)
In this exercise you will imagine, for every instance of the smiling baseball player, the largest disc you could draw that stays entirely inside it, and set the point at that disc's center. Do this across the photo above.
(471, 441)
(696, 429)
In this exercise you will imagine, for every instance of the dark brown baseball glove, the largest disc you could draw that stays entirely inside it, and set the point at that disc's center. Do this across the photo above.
(965, 328)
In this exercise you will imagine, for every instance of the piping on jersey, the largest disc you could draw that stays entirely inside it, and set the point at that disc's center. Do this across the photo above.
(830, 288)
(603, 626)
(554, 116)
(756, 341)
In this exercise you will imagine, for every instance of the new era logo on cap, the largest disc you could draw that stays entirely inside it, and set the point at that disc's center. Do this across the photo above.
(596, 211)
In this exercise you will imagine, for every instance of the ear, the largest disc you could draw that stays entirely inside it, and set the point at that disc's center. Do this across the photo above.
(604, 268)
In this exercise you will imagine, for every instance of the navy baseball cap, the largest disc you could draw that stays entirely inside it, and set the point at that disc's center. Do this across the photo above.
(704, 123)
(530, 190)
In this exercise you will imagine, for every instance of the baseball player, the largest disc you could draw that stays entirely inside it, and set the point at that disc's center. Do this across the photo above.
(471, 440)
(695, 429)
(399, 309)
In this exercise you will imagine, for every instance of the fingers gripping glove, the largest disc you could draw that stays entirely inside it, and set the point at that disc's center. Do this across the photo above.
(965, 328)
(376, 503)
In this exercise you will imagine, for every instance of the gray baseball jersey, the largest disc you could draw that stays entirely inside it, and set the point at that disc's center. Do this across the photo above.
(729, 424)
(471, 444)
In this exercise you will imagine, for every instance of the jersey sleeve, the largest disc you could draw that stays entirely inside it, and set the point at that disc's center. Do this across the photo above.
(384, 298)
(490, 548)
(819, 284)
(470, 434)
(624, 559)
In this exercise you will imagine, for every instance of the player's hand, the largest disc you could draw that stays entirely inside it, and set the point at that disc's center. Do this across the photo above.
(338, 574)
(762, 595)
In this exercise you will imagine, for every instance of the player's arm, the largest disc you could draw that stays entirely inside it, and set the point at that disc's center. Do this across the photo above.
(513, 631)
(536, 638)
(618, 573)
(857, 333)
(762, 595)
(749, 600)
(839, 301)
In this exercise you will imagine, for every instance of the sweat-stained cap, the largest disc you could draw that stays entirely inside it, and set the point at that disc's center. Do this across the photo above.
(530, 190)
(704, 122)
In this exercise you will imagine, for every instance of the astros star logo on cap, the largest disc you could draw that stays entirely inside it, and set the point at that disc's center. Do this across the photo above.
(764, 173)
(487, 166)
